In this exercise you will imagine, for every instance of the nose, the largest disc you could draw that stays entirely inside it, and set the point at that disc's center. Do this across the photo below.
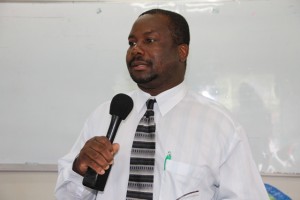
(137, 49)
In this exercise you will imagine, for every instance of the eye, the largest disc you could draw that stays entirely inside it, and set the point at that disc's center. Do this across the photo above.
(131, 43)
(149, 40)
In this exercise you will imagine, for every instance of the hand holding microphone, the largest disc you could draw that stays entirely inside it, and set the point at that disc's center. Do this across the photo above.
(97, 154)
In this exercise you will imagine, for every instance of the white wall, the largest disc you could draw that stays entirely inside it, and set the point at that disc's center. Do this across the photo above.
(40, 185)
(233, 42)
(59, 61)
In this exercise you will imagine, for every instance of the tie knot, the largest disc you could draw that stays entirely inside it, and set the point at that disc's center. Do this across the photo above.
(150, 103)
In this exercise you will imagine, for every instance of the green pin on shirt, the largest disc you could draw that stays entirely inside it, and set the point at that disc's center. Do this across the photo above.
(168, 157)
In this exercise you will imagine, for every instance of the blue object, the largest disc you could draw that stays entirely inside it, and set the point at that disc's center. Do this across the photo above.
(276, 194)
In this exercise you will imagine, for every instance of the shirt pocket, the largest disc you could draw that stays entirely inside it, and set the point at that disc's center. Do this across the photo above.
(186, 182)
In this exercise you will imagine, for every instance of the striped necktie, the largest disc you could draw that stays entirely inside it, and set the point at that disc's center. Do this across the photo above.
(141, 175)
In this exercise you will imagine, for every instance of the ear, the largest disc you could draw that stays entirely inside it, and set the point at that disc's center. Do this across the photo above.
(183, 52)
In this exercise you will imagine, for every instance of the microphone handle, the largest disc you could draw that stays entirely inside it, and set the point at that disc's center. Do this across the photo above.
(91, 178)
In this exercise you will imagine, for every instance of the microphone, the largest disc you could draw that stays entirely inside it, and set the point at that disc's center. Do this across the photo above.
(120, 106)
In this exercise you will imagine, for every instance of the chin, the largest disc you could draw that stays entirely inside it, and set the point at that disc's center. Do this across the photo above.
(144, 79)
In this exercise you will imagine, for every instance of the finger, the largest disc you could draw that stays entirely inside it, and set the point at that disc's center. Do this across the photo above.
(105, 148)
(101, 142)
(98, 146)
(98, 160)
(96, 154)
(84, 161)
(115, 148)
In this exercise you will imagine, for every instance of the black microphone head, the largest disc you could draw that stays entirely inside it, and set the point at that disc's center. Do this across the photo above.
(121, 105)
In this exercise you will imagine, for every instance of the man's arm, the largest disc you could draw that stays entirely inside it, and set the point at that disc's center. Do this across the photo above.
(239, 176)
(96, 153)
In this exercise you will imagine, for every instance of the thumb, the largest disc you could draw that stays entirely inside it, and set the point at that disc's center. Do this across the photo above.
(115, 148)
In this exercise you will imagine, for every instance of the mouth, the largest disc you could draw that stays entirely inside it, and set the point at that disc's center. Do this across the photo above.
(139, 65)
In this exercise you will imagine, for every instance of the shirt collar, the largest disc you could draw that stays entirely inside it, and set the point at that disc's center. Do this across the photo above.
(165, 100)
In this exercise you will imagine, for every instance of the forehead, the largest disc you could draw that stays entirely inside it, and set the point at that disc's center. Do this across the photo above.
(151, 23)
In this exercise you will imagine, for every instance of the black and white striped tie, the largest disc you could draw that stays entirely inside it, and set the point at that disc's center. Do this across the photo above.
(141, 175)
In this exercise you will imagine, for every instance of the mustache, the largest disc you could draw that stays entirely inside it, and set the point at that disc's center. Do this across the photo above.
(140, 59)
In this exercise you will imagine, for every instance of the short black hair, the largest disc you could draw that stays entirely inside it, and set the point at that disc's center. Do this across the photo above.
(178, 25)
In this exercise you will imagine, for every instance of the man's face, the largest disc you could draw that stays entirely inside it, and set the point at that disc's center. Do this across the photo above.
(153, 59)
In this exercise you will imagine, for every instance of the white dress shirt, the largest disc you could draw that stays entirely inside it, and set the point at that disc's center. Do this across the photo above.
(210, 155)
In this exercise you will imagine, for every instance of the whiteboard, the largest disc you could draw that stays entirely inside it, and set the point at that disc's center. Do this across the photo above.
(59, 61)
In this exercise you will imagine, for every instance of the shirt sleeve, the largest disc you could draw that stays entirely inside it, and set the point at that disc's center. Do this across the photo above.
(239, 176)
(69, 183)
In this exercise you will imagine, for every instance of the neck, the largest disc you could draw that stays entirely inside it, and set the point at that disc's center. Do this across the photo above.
(154, 91)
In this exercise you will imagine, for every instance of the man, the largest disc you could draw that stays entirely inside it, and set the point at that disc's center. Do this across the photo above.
(200, 153)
